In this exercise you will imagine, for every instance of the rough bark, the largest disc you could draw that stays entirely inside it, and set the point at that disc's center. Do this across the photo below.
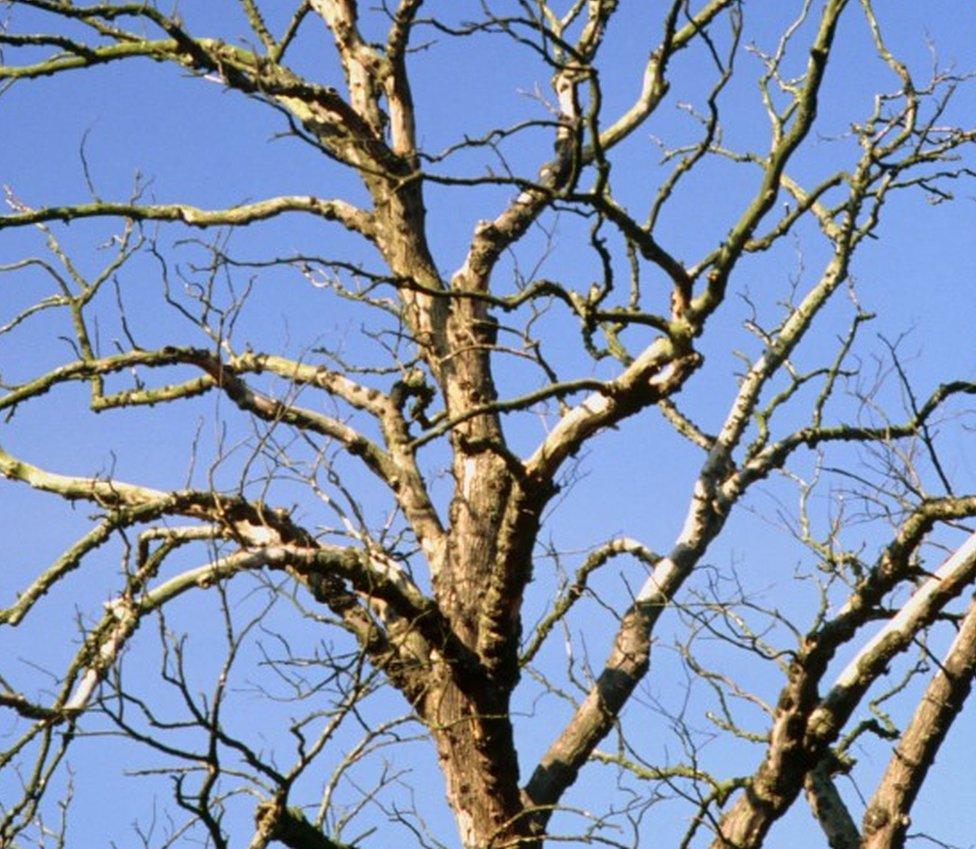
(828, 808)
(453, 651)
(888, 814)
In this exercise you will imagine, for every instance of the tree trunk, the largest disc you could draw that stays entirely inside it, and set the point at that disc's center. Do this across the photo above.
(468, 714)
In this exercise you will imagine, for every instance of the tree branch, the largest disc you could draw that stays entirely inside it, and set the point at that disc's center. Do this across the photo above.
(829, 809)
(345, 213)
(888, 813)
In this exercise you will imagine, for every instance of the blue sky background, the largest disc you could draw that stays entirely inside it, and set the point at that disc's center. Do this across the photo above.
(193, 142)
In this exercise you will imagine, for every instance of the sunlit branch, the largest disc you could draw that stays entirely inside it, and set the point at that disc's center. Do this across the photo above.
(887, 817)
(330, 210)
(397, 467)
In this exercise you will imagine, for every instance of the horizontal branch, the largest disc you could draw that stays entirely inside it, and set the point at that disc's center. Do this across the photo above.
(397, 467)
(334, 123)
(81, 55)
(776, 454)
(230, 511)
(248, 522)
(523, 402)
(350, 216)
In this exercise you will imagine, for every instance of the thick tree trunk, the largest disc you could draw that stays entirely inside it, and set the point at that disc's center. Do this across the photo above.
(478, 576)
(477, 755)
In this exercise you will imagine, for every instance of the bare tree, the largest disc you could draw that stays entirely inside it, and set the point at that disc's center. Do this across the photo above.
(342, 582)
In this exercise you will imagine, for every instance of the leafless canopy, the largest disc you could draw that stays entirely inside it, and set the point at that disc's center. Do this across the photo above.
(328, 535)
